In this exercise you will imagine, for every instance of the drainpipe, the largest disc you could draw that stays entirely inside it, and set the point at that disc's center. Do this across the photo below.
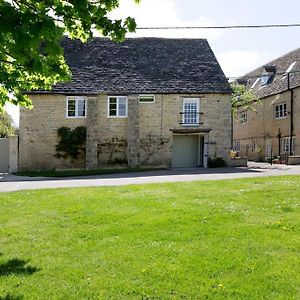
(291, 114)
(279, 142)
(231, 130)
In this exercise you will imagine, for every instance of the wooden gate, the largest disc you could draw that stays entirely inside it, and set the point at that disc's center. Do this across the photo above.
(4, 155)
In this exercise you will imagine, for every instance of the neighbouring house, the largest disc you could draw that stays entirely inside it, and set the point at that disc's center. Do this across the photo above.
(146, 101)
(273, 127)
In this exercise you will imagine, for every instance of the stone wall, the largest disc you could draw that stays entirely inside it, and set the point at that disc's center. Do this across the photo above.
(143, 138)
(38, 133)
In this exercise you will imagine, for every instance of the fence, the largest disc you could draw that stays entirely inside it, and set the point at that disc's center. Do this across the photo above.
(9, 154)
(4, 155)
(266, 153)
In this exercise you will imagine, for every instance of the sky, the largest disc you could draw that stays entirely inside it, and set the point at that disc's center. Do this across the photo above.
(237, 50)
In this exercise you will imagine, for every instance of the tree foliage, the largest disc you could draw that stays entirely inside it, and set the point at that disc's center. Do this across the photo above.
(242, 97)
(31, 57)
(6, 125)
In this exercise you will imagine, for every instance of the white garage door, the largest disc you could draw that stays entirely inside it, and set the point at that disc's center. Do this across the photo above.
(185, 151)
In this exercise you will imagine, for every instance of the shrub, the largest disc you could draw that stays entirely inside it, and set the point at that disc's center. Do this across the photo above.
(216, 162)
(71, 142)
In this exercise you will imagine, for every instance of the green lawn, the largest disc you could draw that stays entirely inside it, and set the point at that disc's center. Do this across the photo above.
(236, 239)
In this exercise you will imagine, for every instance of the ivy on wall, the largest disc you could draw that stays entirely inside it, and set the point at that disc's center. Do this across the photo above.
(71, 142)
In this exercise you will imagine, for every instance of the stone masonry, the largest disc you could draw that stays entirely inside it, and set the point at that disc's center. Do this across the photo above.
(143, 136)
(92, 133)
(133, 132)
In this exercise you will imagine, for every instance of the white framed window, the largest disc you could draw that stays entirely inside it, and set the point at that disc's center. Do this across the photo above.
(280, 111)
(117, 106)
(76, 107)
(244, 118)
(285, 144)
(146, 98)
(191, 111)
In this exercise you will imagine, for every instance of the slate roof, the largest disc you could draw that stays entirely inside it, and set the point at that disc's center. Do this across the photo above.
(279, 83)
(142, 65)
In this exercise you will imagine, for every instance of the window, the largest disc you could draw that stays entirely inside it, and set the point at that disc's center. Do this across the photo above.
(268, 75)
(76, 107)
(190, 115)
(269, 150)
(236, 146)
(117, 106)
(264, 79)
(280, 111)
(244, 118)
(147, 98)
(285, 144)
(254, 146)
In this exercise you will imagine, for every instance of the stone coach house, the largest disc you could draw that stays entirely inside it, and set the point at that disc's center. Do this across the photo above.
(147, 101)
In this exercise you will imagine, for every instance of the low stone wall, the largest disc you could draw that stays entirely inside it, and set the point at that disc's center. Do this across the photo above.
(294, 160)
(237, 162)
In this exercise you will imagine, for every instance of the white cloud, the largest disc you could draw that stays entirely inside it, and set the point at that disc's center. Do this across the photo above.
(239, 62)
(151, 13)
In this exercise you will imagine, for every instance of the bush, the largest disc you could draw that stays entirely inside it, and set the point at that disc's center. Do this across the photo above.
(216, 162)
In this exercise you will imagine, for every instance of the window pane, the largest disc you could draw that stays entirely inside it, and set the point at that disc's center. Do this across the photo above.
(122, 100)
(112, 107)
(71, 113)
(113, 100)
(81, 108)
(71, 105)
(190, 112)
(146, 99)
(122, 112)
(122, 106)
(113, 112)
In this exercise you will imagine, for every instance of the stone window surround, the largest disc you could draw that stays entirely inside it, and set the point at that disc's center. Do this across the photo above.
(282, 111)
(76, 98)
(108, 106)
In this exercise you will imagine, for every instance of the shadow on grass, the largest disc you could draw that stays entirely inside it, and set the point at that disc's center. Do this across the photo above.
(11, 297)
(16, 266)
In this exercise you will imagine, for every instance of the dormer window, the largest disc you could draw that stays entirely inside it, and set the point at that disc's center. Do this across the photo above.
(264, 79)
(267, 75)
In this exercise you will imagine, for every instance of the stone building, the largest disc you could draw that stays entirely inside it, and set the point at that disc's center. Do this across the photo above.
(147, 101)
(273, 127)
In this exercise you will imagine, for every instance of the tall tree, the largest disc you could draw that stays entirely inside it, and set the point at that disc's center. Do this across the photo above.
(6, 125)
(30, 33)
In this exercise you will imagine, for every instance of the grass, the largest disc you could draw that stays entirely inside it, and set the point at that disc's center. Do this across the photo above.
(235, 239)
(81, 172)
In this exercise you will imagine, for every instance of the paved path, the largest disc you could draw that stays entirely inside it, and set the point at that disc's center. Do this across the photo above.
(10, 183)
